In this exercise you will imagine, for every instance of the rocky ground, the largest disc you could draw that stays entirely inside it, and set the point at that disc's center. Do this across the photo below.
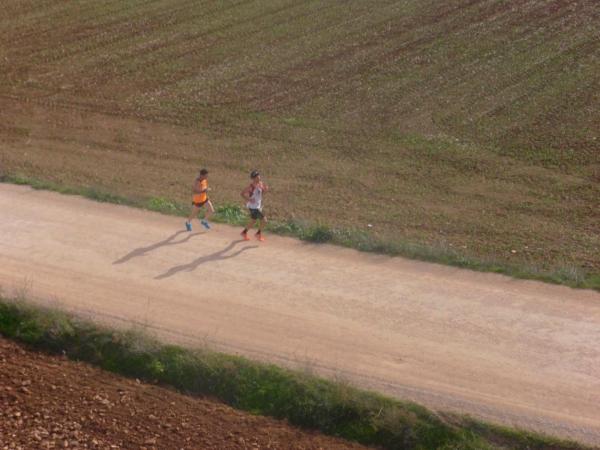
(52, 402)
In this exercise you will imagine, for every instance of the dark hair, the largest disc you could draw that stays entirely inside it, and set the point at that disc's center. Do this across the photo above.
(254, 174)
(203, 172)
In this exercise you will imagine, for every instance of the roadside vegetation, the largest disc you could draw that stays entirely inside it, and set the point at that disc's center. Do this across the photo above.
(303, 399)
(233, 214)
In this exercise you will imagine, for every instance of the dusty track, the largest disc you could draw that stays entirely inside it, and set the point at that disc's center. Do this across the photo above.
(515, 352)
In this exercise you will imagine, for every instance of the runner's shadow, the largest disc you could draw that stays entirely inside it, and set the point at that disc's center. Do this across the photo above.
(168, 241)
(217, 256)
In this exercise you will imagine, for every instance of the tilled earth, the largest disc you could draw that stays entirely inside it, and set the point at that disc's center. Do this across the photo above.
(52, 402)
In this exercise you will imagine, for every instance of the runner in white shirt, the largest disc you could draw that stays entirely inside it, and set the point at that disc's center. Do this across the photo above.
(253, 195)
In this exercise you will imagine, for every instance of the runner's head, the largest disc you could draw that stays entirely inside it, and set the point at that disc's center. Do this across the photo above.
(255, 175)
(203, 173)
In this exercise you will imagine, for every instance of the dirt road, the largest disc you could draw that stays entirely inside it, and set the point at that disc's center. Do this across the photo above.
(514, 352)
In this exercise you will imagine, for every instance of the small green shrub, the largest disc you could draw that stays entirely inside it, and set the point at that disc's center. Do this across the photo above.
(162, 205)
(232, 214)
(318, 233)
(99, 195)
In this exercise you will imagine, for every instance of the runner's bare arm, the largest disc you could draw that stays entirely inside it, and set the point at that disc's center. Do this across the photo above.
(246, 193)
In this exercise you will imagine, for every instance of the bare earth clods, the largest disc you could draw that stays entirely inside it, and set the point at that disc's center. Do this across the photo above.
(52, 402)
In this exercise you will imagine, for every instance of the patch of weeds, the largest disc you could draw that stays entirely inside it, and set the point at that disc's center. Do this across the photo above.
(420, 144)
(504, 437)
(592, 281)
(91, 192)
(570, 273)
(163, 205)
(21, 132)
(318, 233)
(288, 228)
(27, 181)
(257, 116)
(100, 195)
(232, 214)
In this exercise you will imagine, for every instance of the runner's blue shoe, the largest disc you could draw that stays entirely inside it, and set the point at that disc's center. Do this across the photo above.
(188, 226)
(206, 224)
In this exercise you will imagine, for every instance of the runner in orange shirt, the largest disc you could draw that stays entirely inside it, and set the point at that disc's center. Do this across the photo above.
(199, 199)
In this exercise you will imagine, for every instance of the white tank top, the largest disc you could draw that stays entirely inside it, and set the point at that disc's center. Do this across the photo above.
(255, 201)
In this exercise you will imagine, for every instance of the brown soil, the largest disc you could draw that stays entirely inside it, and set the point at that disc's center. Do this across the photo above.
(52, 402)
(520, 219)
(457, 122)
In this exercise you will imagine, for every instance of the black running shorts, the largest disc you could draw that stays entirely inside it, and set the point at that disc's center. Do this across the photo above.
(256, 214)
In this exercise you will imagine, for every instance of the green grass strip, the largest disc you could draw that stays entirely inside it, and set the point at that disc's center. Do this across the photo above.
(304, 400)
(321, 233)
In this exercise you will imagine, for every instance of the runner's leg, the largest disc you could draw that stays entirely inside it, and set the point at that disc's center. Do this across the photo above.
(207, 214)
(210, 210)
(261, 224)
(193, 213)
(249, 226)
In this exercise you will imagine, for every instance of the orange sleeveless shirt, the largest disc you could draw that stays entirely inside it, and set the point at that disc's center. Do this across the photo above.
(201, 198)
